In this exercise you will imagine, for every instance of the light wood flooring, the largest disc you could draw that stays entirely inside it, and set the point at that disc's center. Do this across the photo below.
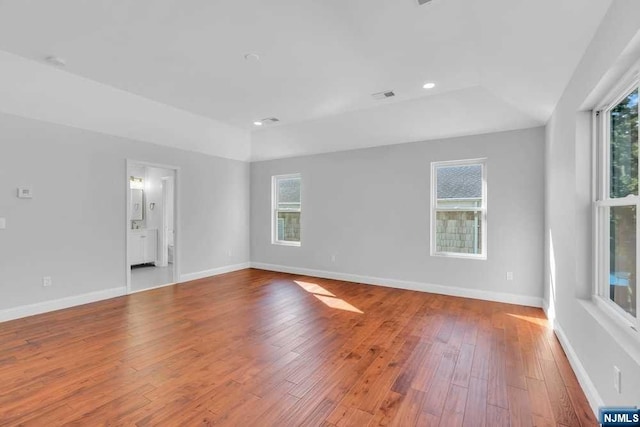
(257, 348)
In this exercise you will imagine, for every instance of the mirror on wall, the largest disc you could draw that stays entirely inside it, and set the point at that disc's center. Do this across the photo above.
(137, 204)
(136, 213)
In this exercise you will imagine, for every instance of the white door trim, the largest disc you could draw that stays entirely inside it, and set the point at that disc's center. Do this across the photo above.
(163, 235)
(176, 217)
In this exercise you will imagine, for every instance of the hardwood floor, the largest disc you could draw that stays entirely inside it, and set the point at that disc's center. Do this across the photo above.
(256, 348)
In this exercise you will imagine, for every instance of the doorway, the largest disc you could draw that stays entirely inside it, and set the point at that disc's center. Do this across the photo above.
(151, 226)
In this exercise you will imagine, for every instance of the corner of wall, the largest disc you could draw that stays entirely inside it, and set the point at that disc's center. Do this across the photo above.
(589, 388)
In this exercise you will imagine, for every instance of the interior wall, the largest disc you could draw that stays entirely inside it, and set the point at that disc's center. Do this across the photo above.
(74, 227)
(597, 343)
(153, 194)
(371, 209)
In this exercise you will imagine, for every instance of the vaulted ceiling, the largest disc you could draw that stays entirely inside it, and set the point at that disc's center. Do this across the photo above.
(497, 64)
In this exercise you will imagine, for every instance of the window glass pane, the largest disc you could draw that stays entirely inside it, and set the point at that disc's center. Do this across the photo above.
(459, 186)
(622, 254)
(624, 147)
(459, 232)
(289, 193)
(288, 226)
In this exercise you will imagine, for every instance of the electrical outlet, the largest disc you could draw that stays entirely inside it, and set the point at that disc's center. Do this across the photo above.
(25, 192)
(46, 281)
(229, 253)
(333, 257)
(617, 379)
(509, 275)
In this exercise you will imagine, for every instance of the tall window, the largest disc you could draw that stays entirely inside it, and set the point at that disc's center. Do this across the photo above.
(287, 208)
(459, 209)
(617, 203)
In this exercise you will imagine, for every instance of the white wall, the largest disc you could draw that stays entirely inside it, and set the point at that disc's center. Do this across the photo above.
(74, 227)
(153, 194)
(568, 278)
(370, 207)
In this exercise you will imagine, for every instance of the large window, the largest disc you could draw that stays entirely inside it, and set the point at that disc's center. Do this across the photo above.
(459, 209)
(617, 204)
(287, 209)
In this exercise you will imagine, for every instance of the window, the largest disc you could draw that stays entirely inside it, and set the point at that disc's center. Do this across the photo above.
(617, 203)
(287, 209)
(459, 209)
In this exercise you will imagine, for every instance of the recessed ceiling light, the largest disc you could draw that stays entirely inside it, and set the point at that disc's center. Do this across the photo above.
(257, 123)
(252, 57)
(429, 85)
(56, 60)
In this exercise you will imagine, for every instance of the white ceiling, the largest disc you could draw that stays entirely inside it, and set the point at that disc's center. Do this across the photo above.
(469, 111)
(34, 90)
(320, 61)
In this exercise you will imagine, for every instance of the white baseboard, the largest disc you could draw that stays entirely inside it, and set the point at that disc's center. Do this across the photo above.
(402, 284)
(551, 317)
(59, 304)
(595, 401)
(590, 391)
(213, 272)
(545, 307)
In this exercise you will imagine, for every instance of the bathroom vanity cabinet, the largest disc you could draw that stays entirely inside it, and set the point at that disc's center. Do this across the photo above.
(143, 246)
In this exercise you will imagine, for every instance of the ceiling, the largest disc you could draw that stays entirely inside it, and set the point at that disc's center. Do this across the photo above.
(320, 61)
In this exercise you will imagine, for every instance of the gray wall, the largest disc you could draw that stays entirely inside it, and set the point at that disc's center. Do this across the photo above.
(74, 227)
(597, 342)
(371, 208)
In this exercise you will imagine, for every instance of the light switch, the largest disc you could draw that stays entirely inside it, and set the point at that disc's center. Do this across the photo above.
(3, 223)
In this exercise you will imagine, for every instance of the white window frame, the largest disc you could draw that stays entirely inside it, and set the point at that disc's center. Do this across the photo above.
(274, 209)
(602, 203)
(482, 209)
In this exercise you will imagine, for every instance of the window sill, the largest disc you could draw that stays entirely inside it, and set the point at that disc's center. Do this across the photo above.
(459, 256)
(279, 243)
(627, 338)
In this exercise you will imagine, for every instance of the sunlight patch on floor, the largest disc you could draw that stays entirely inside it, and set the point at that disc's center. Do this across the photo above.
(338, 303)
(313, 288)
(328, 298)
(534, 320)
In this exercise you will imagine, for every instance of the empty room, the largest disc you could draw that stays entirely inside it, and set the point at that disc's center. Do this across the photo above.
(319, 213)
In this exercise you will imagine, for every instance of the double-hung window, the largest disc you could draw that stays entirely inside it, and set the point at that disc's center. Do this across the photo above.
(459, 209)
(617, 203)
(286, 209)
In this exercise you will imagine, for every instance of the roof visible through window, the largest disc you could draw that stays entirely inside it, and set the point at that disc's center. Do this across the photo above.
(459, 182)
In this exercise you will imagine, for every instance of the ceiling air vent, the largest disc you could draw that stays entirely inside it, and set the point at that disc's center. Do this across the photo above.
(269, 120)
(383, 95)
(421, 2)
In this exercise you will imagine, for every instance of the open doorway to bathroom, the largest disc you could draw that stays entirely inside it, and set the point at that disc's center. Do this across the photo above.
(151, 226)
